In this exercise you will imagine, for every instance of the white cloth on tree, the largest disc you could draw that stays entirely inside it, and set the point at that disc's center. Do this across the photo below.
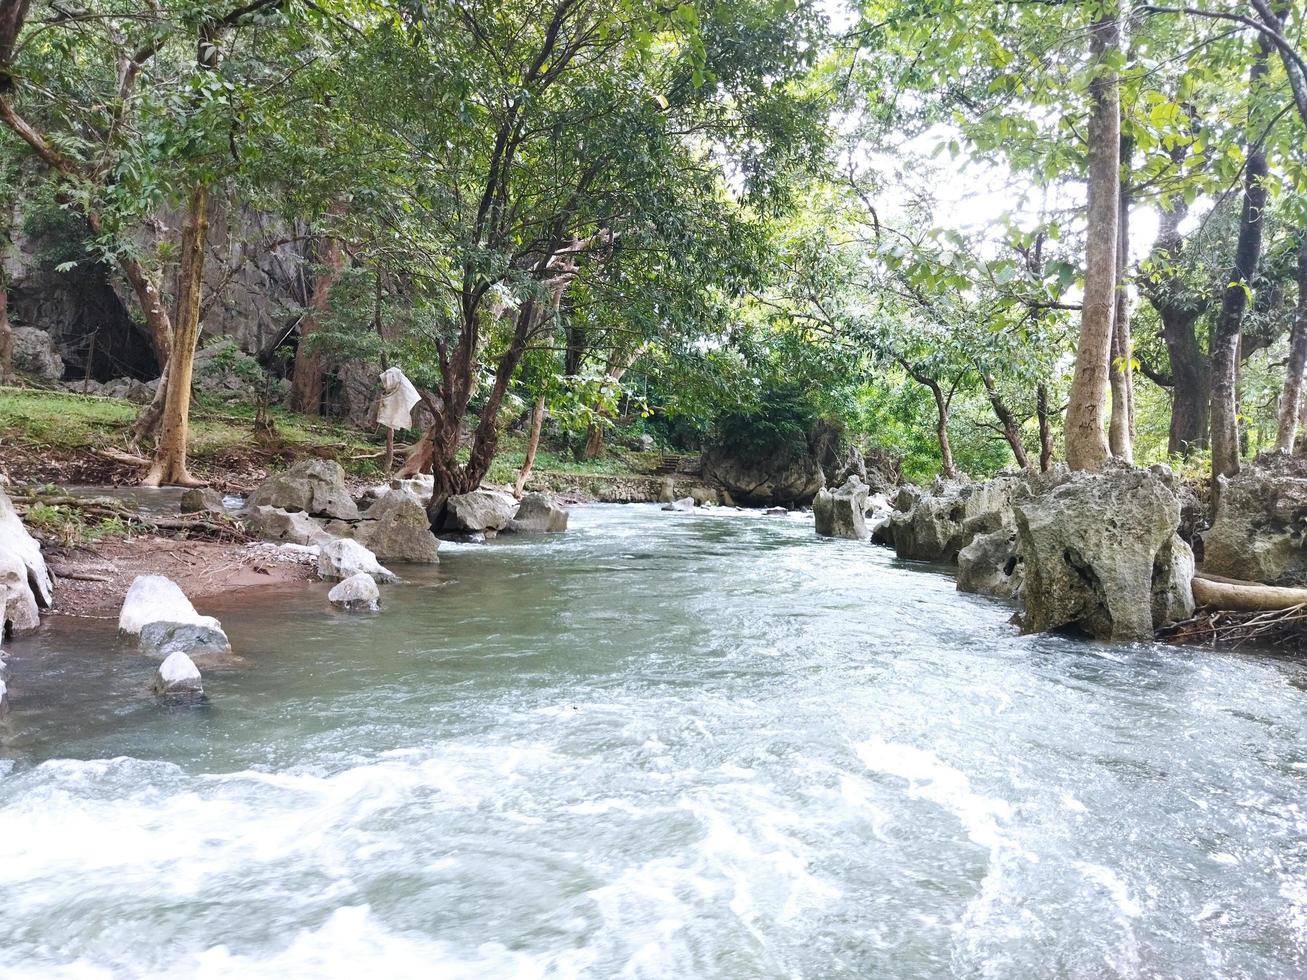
(398, 396)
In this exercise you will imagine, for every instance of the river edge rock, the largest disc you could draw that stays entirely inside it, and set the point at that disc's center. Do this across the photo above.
(538, 514)
(314, 486)
(26, 586)
(358, 593)
(1259, 530)
(841, 513)
(178, 677)
(342, 558)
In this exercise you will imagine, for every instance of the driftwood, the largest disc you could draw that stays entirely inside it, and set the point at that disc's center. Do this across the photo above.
(1234, 596)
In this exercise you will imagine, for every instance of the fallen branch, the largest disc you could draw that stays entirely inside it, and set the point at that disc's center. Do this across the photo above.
(1233, 596)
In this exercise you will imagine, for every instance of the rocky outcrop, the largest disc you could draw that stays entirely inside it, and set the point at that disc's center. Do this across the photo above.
(841, 513)
(25, 584)
(342, 558)
(538, 514)
(1260, 529)
(202, 644)
(396, 528)
(936, 526)
(225, 373)
(990, 565)
(314, 486)
(358, 593)
(480, 510)
(178, 676)
(157, 599)
(684, 505)
(1100, 552)
(276, 524)
(34, 353)
(787, 477)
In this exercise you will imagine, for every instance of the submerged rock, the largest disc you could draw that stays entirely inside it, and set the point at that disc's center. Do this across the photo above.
(479, 510)
(177, 676)
(358, 593)
(342, 558)
(538, 514)
(776, 512)
(201, 643)
(25, 584)
(1260, 529)
(396, 527)
(840, 513)
(1100, 552)
(276, 524)
(314, 486)
(684, 504)
(156, 599)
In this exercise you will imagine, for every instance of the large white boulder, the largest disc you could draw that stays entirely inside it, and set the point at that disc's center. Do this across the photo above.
(480, 510)
(158, 599)
(358, 593)
(538, 514)
(396, 527)
(276, 524)
(344, 557)
(315, 486)
(25, 584)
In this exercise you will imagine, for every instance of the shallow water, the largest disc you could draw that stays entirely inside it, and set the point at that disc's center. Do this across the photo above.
(660, 745)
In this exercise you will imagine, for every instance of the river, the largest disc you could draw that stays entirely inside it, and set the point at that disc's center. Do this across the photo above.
(660, 745)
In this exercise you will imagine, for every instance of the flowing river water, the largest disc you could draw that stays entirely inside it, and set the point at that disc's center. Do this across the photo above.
(659, 745)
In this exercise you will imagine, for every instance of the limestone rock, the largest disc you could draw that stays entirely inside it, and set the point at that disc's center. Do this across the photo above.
(538, 514)
(704, 496)
(990, 565)
(358, 593)
(202, 644)
(343, 557)
(1100, 552)
(1260, 529)
(684, 504)
(34, 353)
(479, 510)
(25, 583)
(315, 486)
(276, 524)
(936, 526)
(761, 480)
(177, 676)
(666, 490)
(157, 599)
(840, 513)
(397, 528)
(202, 500)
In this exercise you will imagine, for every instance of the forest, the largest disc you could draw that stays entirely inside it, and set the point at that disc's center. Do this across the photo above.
(970, 235)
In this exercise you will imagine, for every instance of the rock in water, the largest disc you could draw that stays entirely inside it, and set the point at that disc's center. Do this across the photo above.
(156, 599)
(538, 514)
(358, 593)
(1260, 529)
(990, 565)
(791, 476)
(666, 490)
(275, 524)
(684, 504)
(397, 528)
(202, 500)
(480, 510)
(936, 526)
(839, 513)
(25, 584)
(315, 486)
(343, 557)
(1100, 552)
(776, 512)
(203, 644)
(177, 675)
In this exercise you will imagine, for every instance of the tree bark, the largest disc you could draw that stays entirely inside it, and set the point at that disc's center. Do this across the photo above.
(1291, 399)
(1121, 427)
(1234, 300)
(6, 335)
(307, 383)
(1086, 443)
(532, 444)
(1044, 415)
(946, 466)
(1191, 392)
(1007, 422)
(169, 465)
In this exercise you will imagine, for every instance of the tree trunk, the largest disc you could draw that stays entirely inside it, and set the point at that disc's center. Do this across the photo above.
(307, 383)
(1006, 421)
(532, 444)
(1191, 391)
(1234, 300)
(619, 362)
(1121, 427)
(169, 465)
(946, 467)
(1086, 443)
(1045, 428)
(1291, 399)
